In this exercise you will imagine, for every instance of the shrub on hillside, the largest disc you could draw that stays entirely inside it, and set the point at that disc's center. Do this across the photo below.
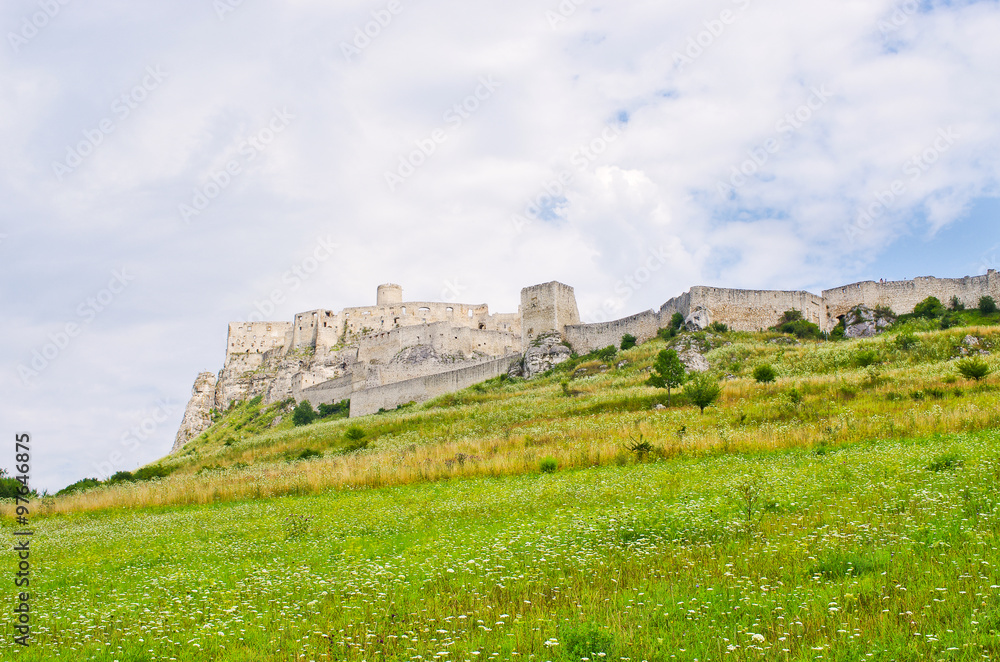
(702, 390)
(866, 357)
(929, 308)
(587, 641)
(765, 374)
(78, 486)
(10, 487)
(792, 322)
(340, 409)
(304, 414)
(718, 327)
(974, 368)
(548, 465)
(354, 433)
(987, 305)
(906, 341)
(628, 341)
(607, 353)
(955, 305)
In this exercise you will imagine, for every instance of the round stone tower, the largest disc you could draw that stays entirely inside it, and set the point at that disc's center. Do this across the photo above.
(389, 294)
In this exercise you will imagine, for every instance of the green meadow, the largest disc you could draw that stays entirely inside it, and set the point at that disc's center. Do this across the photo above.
(846, 511)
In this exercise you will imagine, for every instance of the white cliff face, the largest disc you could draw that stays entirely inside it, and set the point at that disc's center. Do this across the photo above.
(198, 413)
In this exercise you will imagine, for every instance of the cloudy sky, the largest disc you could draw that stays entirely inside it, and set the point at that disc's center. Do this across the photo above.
(170, 167)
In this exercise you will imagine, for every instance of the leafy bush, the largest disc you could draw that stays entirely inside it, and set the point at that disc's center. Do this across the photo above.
(548, 465)
(946, 462)
(906, 341)
(702, 390)
(151, 472)
(308, 454)
(628, 341)
(866, 357)
(987, 305)
(718, 327)
(339, 410)
(587, 641)
(11, 487)
(607, 353)
(304, 414)
(956, 304)
(792, 322)
(354, 433)
(929, 308)
(765, 373)
(78, 486)
(973, 368)
(121, 477)
(676, 322)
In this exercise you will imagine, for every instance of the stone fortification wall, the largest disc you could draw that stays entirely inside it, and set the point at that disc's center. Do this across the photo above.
(903, 296)
(588, 337)
(680, 304)
(546, 308)
(327, 393)
(444, 338)
(249, 338)
(754, 310)
(369, 401)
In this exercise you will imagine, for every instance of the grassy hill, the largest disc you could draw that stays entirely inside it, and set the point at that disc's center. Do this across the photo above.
(847, 511)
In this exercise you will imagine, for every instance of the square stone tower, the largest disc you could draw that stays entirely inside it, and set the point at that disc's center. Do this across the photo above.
(547, 308)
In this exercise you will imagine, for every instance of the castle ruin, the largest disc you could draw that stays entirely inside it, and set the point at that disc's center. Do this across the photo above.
(396, 352)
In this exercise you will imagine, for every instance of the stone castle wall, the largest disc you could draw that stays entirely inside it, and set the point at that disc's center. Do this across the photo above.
(903, 296)
(369, 401)
(588, 337)
(754, 310)
(252, 338)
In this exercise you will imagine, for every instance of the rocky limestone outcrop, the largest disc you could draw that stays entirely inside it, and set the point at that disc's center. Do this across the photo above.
(546, 352)
(863, 322)
(691, 353)
(198, 413)
(698, 320)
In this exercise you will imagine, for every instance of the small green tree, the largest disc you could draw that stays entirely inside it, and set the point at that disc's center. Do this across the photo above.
(703, 389)
(987, 305)
(304, 414)
(930, 308)
(974, 368)
(628, 341)
(765, 373)
(955, 305)
(668, 372)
